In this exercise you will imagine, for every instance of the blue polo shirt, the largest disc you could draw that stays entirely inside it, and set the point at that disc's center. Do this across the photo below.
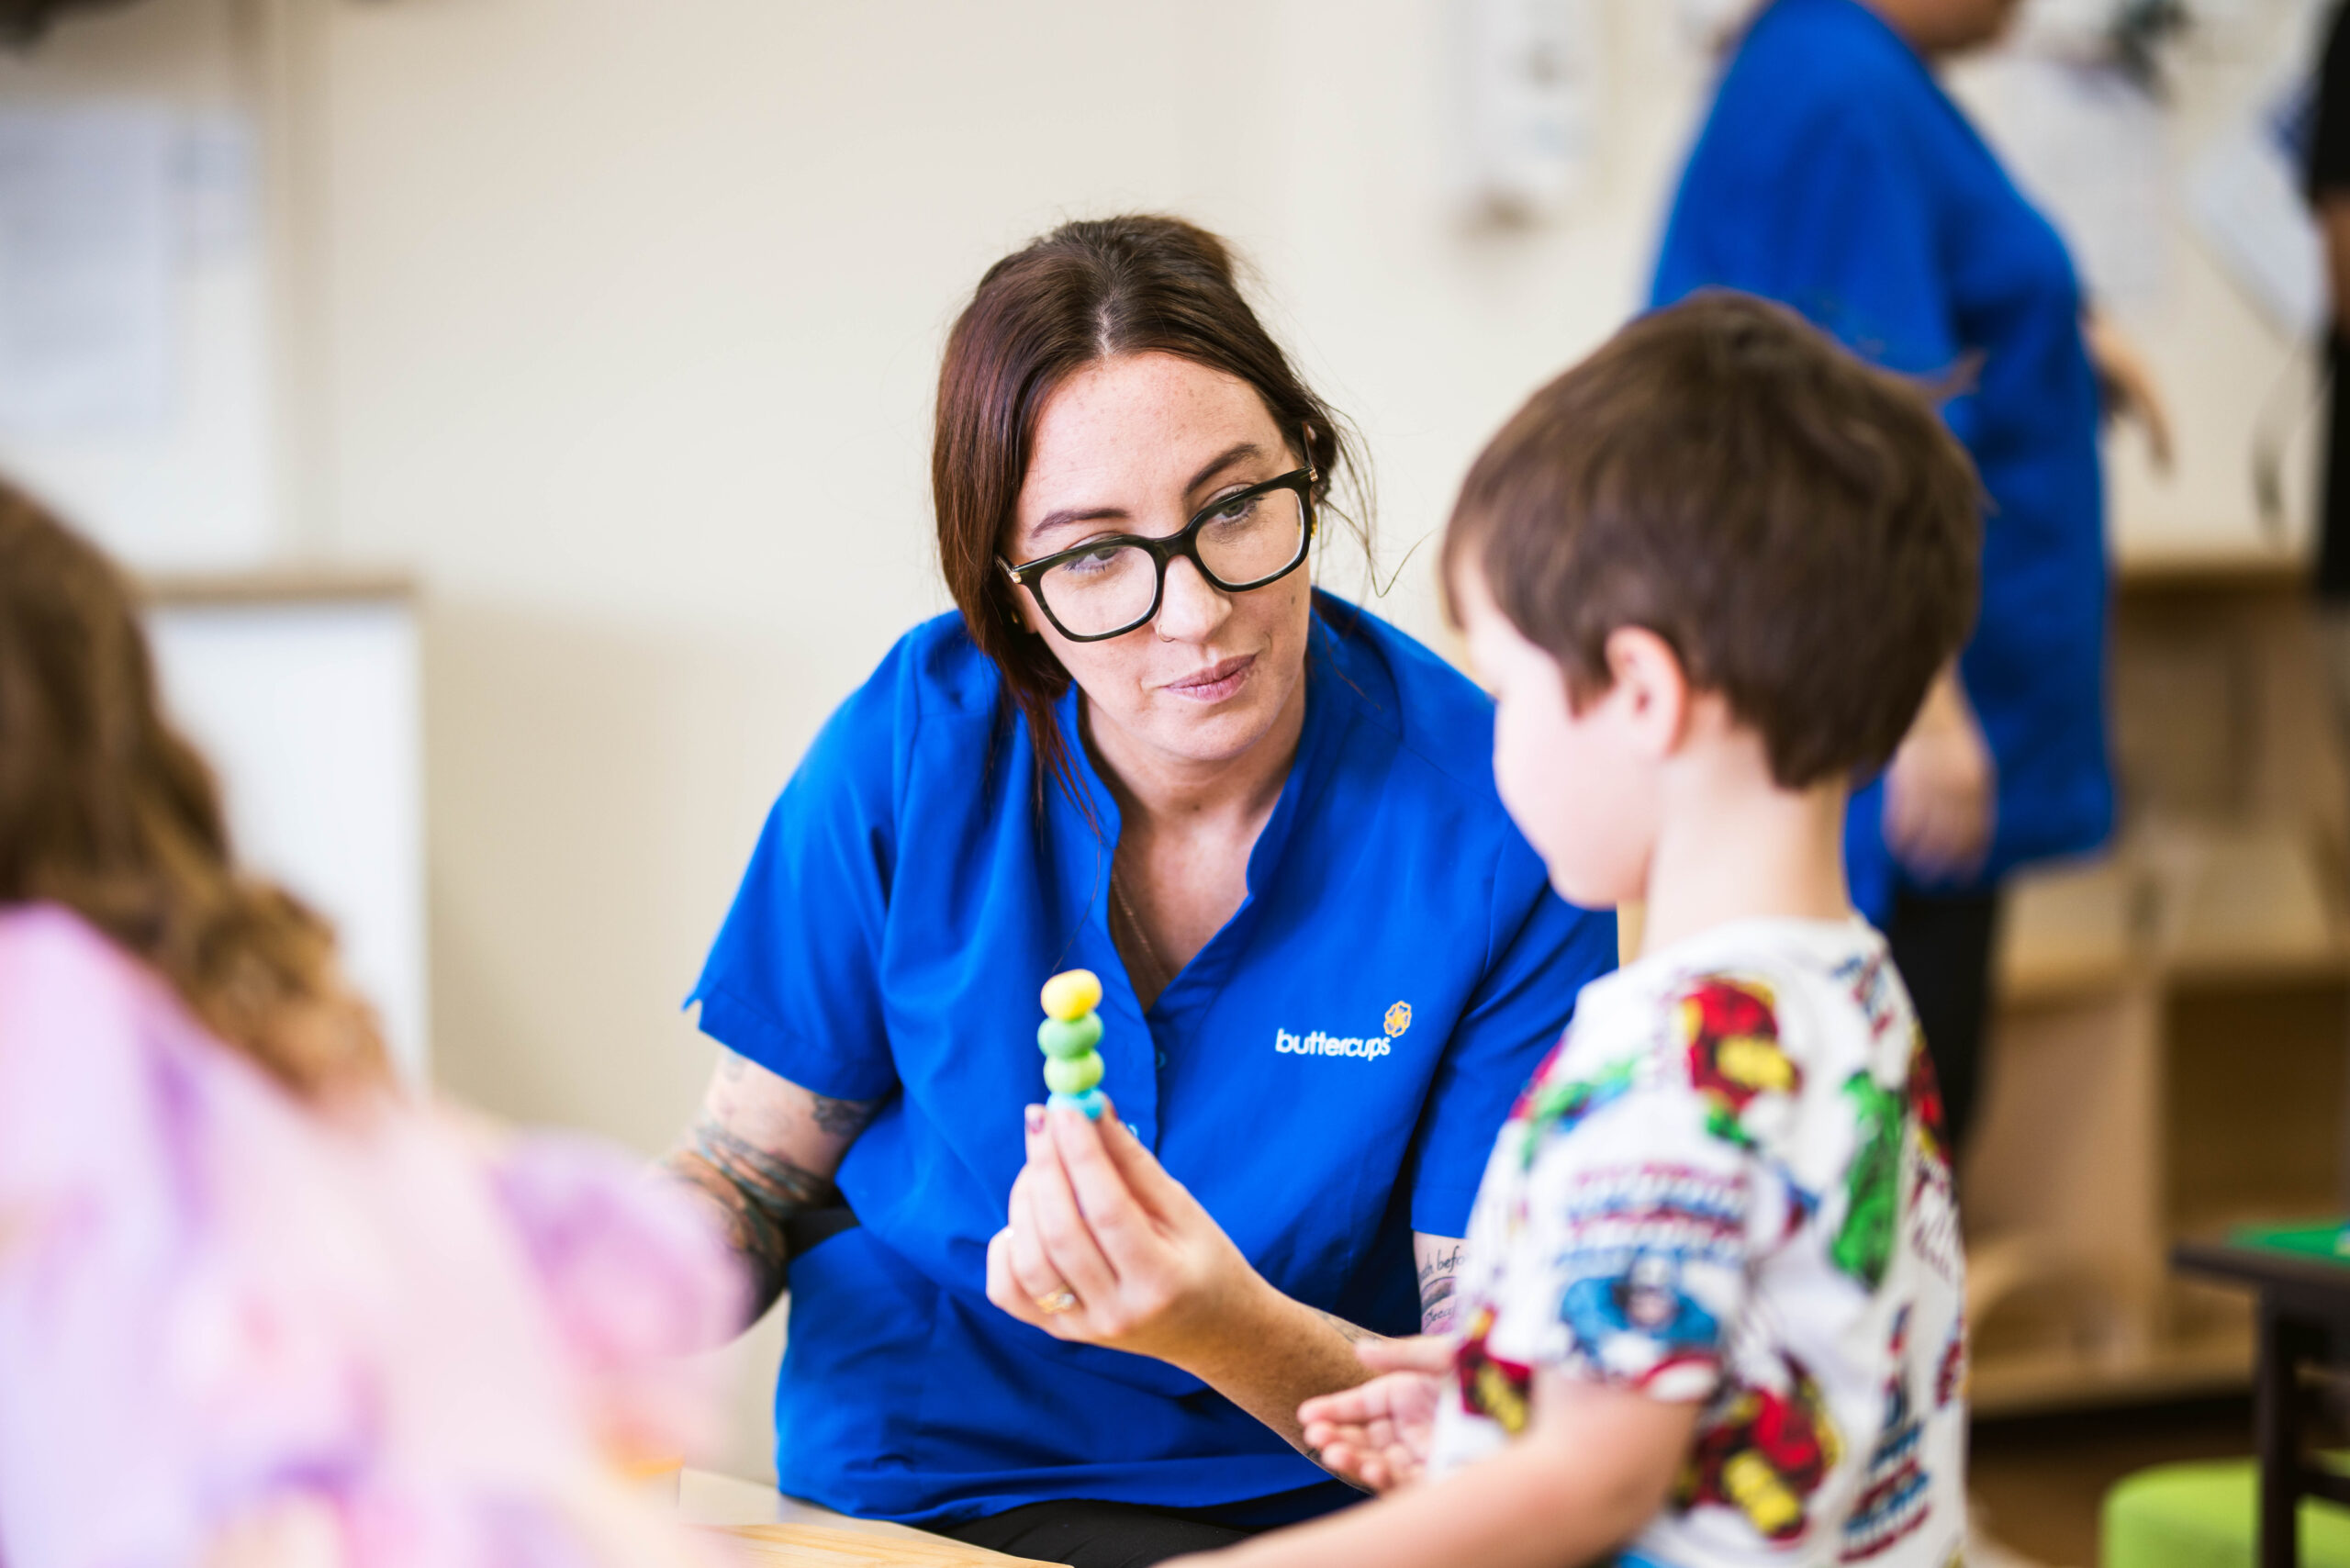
(1326, 1076)
(1834, 174)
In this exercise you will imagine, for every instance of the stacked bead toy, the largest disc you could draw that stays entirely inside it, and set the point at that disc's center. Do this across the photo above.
(1068, 1034)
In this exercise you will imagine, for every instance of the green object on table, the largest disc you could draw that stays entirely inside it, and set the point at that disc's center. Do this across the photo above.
(2206, 1515)
(2323, 1240)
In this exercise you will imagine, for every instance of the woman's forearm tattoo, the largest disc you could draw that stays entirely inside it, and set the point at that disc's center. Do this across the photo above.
(759, 1192)
(844, 1118)
(1438, 1277)
(756, 1186)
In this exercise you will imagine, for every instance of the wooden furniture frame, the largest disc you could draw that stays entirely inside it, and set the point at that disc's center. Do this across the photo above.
(2168, 1034)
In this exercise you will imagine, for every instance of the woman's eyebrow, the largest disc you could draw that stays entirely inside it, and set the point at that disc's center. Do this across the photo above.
(1221, 461)
(1239, 451)
(1067, 515)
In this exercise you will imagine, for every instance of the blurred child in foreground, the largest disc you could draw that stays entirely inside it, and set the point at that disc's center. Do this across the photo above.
(1712, 1302)
(257, 1306)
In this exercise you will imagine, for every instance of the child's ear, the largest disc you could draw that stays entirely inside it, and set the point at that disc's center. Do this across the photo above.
(1646, 678)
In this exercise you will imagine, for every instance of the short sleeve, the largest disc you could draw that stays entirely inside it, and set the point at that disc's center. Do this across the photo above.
(1636, 1243)
(1544, 951)
(792, 980)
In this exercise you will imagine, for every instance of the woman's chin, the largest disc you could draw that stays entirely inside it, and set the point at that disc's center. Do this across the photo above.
(1212, 733)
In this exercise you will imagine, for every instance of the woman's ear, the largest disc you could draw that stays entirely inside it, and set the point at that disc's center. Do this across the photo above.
(1646, 678)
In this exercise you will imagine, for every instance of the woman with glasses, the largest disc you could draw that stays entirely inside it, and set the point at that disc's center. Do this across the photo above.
(1144, 745)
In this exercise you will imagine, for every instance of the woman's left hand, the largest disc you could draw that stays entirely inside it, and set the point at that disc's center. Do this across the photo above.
(2128, 384)
(1942, 792)
(1104, 1248)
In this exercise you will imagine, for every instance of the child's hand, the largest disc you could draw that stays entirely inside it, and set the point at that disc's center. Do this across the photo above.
(1378, 1434)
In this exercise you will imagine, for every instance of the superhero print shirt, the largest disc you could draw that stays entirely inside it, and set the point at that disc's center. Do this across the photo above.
(1727, 1185)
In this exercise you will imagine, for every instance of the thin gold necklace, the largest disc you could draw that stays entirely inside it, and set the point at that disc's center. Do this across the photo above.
(1158, 973)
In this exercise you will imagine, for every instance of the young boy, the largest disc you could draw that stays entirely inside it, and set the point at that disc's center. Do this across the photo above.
(1712, 1304)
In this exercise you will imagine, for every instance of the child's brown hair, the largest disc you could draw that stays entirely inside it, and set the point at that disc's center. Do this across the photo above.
(1801, 528)
(105, 811)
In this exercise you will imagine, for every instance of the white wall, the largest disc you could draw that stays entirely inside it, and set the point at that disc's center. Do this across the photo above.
(308, 712)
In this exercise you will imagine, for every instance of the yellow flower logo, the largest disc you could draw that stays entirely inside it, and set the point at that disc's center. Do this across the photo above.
(1399, 1018)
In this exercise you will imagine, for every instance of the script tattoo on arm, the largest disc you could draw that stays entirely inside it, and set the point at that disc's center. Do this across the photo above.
(764, 1149)
(1352, 1333)
(1439, 1276)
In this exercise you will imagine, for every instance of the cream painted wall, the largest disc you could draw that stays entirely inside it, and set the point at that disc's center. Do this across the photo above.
(623, 327)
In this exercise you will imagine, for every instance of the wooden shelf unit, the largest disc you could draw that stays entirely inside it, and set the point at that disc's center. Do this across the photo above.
(2172, 1019)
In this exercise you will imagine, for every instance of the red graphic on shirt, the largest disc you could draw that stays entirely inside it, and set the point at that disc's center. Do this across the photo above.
(1950, 1376)
(1764, 1456)
(1499, 1390)
(1926, 1101)
(1734, 1055)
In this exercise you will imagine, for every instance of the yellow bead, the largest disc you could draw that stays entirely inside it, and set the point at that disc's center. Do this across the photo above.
(1072, 995)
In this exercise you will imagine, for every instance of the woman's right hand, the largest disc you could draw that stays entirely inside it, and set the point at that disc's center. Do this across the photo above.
(1378, 1435)
(1105, 1248)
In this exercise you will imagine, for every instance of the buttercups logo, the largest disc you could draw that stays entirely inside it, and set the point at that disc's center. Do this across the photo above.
(1361, 1047)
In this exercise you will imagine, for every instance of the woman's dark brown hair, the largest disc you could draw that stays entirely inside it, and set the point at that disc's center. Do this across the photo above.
(1087, 292)
(106, 811)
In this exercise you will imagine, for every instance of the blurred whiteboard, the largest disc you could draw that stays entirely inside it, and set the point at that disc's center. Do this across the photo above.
(308, 707)
(86, 269)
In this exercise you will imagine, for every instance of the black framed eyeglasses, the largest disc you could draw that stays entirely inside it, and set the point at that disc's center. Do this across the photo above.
(1106, 588)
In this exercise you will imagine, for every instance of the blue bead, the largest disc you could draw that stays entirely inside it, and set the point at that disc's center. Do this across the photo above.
(1090, 1103)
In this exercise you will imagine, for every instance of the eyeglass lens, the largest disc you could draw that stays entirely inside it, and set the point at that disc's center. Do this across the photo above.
(1253, 539)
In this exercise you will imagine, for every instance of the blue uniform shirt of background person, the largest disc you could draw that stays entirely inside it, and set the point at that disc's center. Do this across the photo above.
(1836, 176)
(905, 903)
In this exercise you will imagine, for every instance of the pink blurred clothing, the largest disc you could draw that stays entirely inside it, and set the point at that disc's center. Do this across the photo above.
(218, 1303)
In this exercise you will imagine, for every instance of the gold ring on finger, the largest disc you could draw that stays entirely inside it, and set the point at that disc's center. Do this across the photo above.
(1058, 1301)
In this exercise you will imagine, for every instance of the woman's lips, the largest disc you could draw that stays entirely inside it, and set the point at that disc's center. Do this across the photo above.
(1214, 683)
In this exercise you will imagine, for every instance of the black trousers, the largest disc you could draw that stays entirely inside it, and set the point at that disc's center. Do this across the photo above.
(1941, 943)
(1095, 1535)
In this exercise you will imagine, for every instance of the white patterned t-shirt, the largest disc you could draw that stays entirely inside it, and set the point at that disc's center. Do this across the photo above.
(1728, 1185)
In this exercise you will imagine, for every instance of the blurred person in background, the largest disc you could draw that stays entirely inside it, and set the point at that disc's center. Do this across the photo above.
(258, 1306)
(1834, 174)
(1145, 744)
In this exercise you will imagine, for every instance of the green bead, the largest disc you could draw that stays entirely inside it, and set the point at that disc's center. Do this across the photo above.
(1073, 1075)
(1069, 1038)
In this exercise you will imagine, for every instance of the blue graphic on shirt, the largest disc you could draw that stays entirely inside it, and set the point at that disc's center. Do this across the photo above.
(1647, 1301)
